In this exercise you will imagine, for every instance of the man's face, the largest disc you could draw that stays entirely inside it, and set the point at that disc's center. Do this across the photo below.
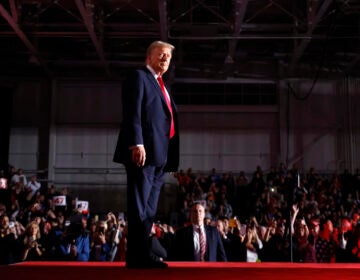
(197, 214)
(159, 59)
(4, 222)
(220, 225)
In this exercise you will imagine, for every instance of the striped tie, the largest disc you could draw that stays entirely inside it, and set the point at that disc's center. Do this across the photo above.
(202, 244)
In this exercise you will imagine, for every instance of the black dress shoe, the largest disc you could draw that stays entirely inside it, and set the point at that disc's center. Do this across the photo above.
(148, 264)
(156, 264)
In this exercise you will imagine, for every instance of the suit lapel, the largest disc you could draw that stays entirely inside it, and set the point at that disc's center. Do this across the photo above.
(156, 85)
(157, 88)
(207, 233)
(190, 236)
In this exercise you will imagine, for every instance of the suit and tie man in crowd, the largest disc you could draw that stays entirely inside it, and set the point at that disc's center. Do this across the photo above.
(148, 147)
(198, 242)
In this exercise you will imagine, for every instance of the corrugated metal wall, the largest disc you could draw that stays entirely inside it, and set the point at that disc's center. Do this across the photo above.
(349, 91)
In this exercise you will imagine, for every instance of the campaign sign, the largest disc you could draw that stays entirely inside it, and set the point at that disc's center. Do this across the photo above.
(82, 205)
(59, 200)
(3, 183)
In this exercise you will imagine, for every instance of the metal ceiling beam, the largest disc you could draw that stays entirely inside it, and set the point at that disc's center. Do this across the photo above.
(163, 20)
(12, 22)
(220, 37)
(300, 49)
(239, 14)
(13, 10)
(86, 15)
(211, 10)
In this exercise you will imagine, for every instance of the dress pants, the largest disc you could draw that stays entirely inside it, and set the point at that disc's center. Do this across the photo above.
(143, 190)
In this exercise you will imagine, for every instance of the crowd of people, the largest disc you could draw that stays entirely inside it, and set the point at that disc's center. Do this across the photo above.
(274, 216)
(280, 215)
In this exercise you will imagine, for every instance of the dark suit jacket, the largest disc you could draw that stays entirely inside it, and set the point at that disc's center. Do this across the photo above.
(184, 245)
(146, 120)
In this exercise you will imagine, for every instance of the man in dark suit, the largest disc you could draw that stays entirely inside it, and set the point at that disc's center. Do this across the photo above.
(148, 146)
(187, 244)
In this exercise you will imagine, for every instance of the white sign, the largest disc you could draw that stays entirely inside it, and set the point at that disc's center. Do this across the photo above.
(82, 205)
(59, 200)
(3, 183)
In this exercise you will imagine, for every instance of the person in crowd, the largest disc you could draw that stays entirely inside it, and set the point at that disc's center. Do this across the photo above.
(324, 244)
(355, 218)
(121, 252)
(198, 242)
(4, 191)
(208, 220)
(241, 195)
(37, 207)
(148, 146)
(349, 239)
(251, 245)
(9, 249)
(18, 196)
(276, 246)
(75, 242)
(346, 239)
(158, 252)
(51, 239)
(100, 245)
(231, 241)
(224, 208)
(113, 234)
(166, 236)
(354, 245)
(300, 233)
(32, 248)
(18, 177)
(33, 185)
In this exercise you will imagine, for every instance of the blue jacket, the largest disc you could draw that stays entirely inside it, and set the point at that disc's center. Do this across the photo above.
(184, 245)
(82, 243)
(146, 120)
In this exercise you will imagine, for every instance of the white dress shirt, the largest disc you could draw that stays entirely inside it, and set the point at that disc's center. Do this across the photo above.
(197, 241)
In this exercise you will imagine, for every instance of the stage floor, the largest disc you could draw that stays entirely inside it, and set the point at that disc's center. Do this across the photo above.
(179, 270)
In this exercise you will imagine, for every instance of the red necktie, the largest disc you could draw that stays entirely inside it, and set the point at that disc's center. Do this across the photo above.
(202, 244)
(167, 98)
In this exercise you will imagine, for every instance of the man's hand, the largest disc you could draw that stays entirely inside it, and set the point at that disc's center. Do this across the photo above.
(139, 155)
(102, 238)
(73, 249)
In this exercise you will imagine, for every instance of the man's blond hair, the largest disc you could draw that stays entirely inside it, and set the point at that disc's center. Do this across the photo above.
(157, 44)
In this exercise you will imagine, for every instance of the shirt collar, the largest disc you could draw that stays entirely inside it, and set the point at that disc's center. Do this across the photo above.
(152, 71)
(196, 227)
